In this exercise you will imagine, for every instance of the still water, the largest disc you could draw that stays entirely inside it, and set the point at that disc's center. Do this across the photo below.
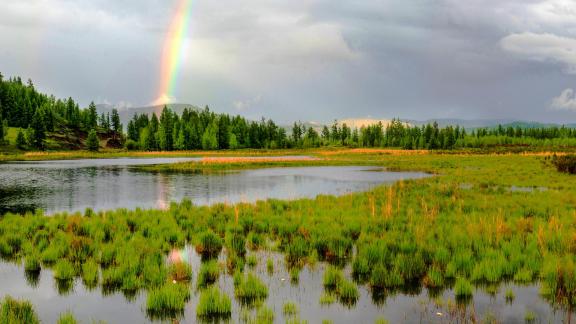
(102, 184)
(416, 306)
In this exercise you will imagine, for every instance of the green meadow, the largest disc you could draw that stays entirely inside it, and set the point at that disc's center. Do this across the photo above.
(483, 220)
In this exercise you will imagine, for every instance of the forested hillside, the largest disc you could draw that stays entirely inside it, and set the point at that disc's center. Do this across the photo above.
(40, 121)
(30, 120)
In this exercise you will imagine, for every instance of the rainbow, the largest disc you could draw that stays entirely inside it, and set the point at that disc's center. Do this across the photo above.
(172, 52)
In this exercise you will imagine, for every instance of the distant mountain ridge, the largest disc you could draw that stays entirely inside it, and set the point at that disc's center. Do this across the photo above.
(127, 113)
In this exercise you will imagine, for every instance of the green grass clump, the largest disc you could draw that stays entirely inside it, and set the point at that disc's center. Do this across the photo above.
(113, 277)
(290, 309)
(530, 317)
(294, 275)
(236, 243)
(297, 251)
(270, 266)
(510, 296)
(381, 321)
(434, 278)
(332, 277)
(250, 288)
(463, 288)
(32, 263)
(170, 298)
(252, 261)
(14, 311)
(348, 292)
(379, 277)
(524, 276)
(64, 270)
(361, 269)
(90, 273)
(214, 304)
(67, 318)
(209, 244)
(180, 272)
(327, 299)
(208, 274)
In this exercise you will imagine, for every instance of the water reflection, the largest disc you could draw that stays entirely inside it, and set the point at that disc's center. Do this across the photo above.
(64, 186)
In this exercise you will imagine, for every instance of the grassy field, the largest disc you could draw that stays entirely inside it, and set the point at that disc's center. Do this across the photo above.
(483, 220)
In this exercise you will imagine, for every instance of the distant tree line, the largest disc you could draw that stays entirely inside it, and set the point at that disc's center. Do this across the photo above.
(22, 106)
(37, 115)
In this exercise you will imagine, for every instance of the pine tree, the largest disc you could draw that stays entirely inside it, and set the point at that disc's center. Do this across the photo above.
(116, 124)
(21, 140)
(92, 120)
(92, 141)
(210, 137)
(39, 134)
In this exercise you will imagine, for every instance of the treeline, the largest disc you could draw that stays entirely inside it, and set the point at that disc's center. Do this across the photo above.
(38, 115)
(22, 106)
(201, 129)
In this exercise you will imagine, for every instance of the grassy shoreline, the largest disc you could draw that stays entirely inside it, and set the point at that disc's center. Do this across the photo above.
(325, 152)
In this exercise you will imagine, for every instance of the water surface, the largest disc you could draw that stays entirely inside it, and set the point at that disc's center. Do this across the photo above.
(102, 184)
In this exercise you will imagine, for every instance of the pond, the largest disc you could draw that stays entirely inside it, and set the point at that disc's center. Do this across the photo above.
(415, 306)
(103, 184)
(57, 186)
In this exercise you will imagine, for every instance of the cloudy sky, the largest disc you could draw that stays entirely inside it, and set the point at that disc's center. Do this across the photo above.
(307, 59)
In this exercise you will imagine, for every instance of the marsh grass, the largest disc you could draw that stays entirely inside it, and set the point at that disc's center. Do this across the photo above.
(32, 263)
(67, 318)
(294, 275)
(270, 266)
(213, 305)
(509, 296)
(64, 270)
(463, 289)
(332, 277)
(208, 274)
(180, 272)
(290, 309)
(327, 299)
(167, 301)
(250, 288)
(90, 274)
(14, 311)
(252, 261)
(209, 244)
(348, 292)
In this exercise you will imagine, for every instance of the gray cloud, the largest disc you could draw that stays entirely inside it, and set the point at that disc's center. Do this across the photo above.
(315, 59)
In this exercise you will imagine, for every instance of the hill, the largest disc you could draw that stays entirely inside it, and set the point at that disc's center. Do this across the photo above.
(127, 113)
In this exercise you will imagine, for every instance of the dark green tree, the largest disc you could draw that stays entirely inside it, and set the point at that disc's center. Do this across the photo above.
(92, 116)
(39, 134)
(21, 140)
(92, 141)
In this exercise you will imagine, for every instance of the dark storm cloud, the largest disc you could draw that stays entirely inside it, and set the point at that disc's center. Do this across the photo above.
(314, 59)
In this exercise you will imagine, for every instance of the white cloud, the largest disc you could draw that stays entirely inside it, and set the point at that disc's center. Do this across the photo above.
(565, 101)
(164, 99)
(242, 105)
(543, 47)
